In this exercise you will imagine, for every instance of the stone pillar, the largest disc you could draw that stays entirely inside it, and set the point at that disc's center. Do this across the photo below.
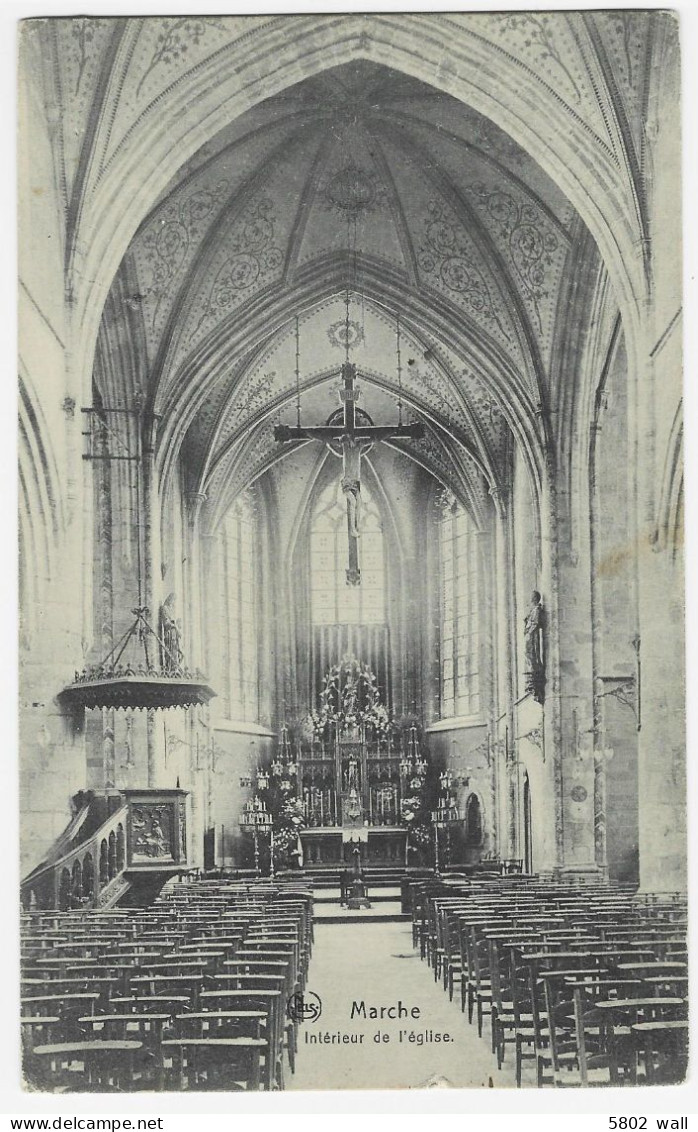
(197, 729)
(661, 753)
(192, 580)
(504, 676)
(211, 611)
(413, 614)
(488, 681)
(660, 688)
(431, 641)
(150, 563)
(580, 773)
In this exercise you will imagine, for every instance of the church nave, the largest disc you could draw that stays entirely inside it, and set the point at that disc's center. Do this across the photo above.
(376, 965)
(351, 531)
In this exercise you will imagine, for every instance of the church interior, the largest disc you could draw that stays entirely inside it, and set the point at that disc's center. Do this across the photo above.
(351, 574)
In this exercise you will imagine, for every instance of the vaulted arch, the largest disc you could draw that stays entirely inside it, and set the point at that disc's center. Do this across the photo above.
(494, 77)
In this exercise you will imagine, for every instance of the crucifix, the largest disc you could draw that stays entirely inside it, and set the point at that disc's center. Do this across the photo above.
(352, 433)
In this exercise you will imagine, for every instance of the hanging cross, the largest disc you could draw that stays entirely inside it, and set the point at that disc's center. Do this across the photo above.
(354, 438)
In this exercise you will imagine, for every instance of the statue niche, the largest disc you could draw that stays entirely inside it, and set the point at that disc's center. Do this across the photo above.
(534, 662)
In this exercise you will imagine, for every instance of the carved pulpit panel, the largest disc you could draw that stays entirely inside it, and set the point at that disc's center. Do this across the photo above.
(152, 832)
(157, 828)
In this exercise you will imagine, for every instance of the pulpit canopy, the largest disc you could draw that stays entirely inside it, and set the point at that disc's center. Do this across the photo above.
(139, 690)
(117, 682)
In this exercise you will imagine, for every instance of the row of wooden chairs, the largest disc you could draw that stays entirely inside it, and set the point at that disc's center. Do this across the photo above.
(585, 983)
(190, 993)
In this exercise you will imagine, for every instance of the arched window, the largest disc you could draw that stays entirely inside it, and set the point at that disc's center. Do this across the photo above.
(238, 602)
(460, 638)
(333, 602)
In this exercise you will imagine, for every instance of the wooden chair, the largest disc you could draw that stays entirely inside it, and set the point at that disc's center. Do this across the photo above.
(452, 960)
(662, 1051)
(257, 999)
(222, 1024)
(265, 966)
(479, 985)
(276, 982)
(218, 1064)
(86, 1066)
(576, 1057)
(511, 1021)
(155, 985)
(136, 1004)
(532, 1039)
(618, 1015)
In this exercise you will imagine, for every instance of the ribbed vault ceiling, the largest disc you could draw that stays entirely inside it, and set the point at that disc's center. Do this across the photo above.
(359, 180)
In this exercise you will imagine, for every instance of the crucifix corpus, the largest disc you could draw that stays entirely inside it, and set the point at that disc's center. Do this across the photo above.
(351, 437)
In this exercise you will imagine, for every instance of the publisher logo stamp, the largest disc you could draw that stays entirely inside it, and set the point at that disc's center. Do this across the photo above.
(304, 1007)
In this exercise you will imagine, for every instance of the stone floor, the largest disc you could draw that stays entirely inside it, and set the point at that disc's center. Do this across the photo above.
(375, 963)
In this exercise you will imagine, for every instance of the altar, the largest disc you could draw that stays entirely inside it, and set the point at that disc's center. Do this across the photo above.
(332, 845)
(360, 780)
(346, 777)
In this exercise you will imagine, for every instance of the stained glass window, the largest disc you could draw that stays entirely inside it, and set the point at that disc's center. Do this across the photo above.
(239, 579)
(460, 641)
(333, 602)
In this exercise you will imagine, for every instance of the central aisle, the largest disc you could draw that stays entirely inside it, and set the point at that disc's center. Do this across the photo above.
(375, 963)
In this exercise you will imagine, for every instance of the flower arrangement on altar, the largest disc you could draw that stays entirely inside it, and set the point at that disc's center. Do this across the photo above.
(350, 701)
(277, 787)
(289, 820)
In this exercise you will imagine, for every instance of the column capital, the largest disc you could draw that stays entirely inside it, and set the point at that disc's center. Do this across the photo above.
(194, 501)
(498, 497)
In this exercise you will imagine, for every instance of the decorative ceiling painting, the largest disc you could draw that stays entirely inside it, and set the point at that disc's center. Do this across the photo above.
(358, 181)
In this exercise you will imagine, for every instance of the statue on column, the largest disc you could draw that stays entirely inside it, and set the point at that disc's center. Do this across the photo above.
(171, 656)
(534, 665)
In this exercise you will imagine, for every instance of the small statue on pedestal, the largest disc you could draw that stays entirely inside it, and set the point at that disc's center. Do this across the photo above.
(534, 666)
(171, 655)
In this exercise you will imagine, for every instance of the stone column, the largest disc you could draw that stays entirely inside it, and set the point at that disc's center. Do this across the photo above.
(150, 561)
(192, 580)
(198, 730)
(488, 682)
(579, 777)
(661, 753)
(412, 643)
(504, 676)
(660, 688)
